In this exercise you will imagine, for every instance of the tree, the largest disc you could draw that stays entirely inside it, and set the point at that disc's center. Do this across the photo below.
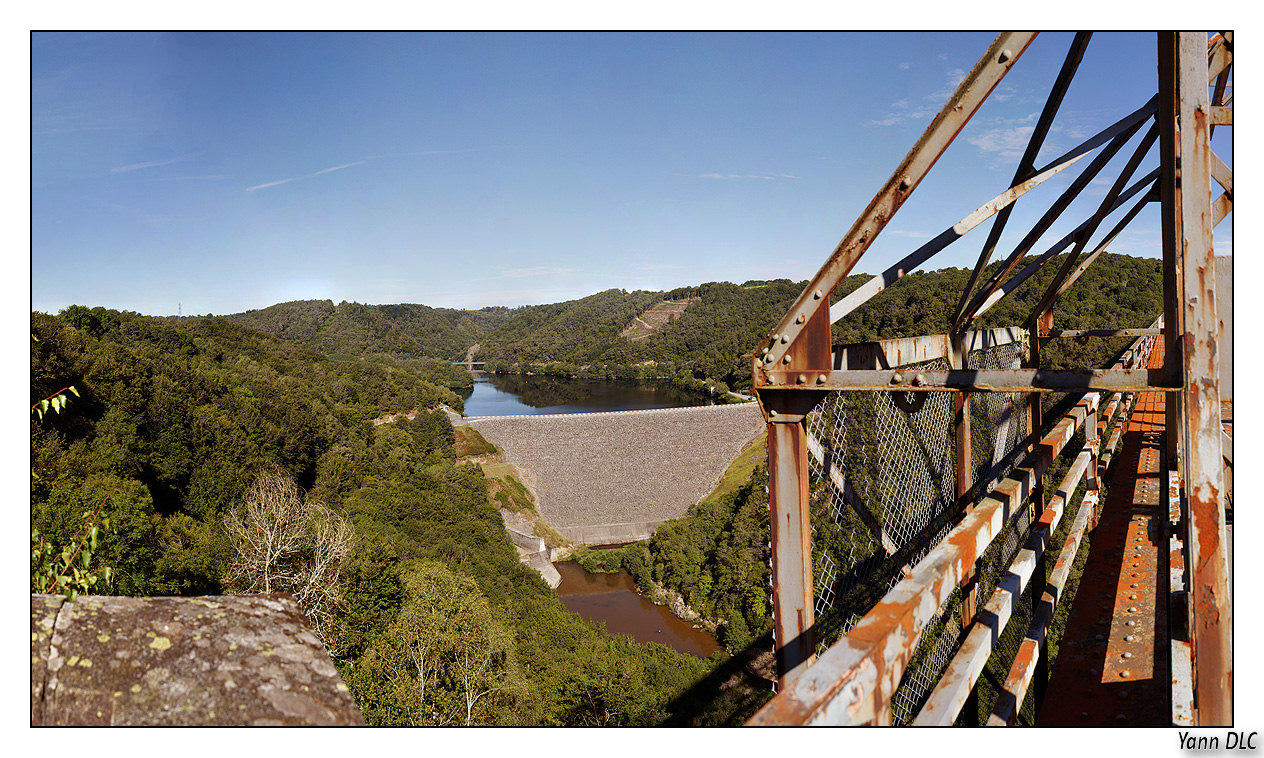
(445, 658)
(285, 542)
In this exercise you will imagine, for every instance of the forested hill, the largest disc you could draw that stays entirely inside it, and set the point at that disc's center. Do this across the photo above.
(715, 335)
(711, 340)
(354, 329)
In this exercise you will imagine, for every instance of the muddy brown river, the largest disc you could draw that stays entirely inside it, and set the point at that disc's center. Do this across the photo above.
(612, 600)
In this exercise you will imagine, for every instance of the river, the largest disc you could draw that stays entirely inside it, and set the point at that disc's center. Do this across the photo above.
(517, 395)
(612, 600)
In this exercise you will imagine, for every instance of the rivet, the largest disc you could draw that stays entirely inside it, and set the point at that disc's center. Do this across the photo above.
(1130, 623)
(1130, 638)
(897, 378)
(800, 319)
(785, 359)
(802, 379)
(1127, 655)
(784, 339)
(1005, 56)
(817, 295)
(919, 380)
(820, 378)
(1125, 674)
(775, 337)
(904, 183)
(772, 413)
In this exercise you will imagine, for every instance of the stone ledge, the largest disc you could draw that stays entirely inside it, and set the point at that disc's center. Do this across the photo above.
(177, 661)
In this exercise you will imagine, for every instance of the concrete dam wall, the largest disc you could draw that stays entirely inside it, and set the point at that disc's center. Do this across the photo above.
(603, 478)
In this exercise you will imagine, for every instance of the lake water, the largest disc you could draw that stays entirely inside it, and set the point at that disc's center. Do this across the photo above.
(612, 600)
(516, 395)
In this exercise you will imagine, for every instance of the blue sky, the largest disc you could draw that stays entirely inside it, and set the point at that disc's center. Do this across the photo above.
(222, 172)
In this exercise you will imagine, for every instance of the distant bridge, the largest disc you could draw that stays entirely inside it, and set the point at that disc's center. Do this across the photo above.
(469, 365)
(604, 478)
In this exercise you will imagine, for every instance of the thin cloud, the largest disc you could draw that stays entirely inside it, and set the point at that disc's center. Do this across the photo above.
(265, 185)
(186, 178)
(147, 164)
(902, 233)
(338, 168)
(1005, 141)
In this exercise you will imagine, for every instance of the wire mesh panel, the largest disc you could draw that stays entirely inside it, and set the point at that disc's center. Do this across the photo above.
(883, 479)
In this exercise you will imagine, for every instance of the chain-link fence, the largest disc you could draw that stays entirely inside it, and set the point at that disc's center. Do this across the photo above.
(884, 493)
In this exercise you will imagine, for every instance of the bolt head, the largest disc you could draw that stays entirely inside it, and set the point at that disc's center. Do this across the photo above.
(802, 379)
(800, 319)
(786, 359)
(817, 295)
(897, 378)
(820, 378)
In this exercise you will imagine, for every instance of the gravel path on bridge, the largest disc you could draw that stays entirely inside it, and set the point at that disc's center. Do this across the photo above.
(616, 468)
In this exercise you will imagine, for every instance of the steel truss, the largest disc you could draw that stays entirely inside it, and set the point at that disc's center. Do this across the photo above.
(854, 679)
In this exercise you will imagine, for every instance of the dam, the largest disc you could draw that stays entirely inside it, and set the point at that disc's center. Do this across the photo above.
(605, 478)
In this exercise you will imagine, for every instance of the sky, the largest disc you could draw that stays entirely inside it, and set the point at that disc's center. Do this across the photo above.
(215, 173)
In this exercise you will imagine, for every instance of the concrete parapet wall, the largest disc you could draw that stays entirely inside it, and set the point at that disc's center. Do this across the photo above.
(610, 534)
(525, 541)
(176, 661)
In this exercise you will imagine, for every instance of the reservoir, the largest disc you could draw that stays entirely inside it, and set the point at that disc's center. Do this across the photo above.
(519, 395)
(611, 599)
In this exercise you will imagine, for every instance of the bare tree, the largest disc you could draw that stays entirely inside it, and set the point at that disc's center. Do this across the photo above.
(285, 542)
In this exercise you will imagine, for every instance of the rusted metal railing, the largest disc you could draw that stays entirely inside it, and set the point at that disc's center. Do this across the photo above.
(930, 552)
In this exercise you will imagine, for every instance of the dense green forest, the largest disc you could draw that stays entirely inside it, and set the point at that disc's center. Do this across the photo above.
(711, 341)
(356, 330)
(184, 429)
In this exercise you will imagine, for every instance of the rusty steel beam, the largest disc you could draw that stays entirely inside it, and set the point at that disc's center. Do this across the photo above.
(869, 289)
(1219, 57)
(1059, 285)
(1210, 611)
(1221, 208)
(902, 351)
(1060, 333)
(1221, 173)
(949, 695)
(1056, 290)
(1017, 279)
(1021, 671)
(1122, 131)
(957, 111)
(852, 682)
(1026, 164)
(791, 538)
(976, 380)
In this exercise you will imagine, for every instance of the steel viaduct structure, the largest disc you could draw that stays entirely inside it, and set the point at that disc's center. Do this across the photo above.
(886, 611)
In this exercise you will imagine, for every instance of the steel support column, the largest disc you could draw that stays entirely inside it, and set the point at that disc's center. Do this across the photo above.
(1209, 608)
